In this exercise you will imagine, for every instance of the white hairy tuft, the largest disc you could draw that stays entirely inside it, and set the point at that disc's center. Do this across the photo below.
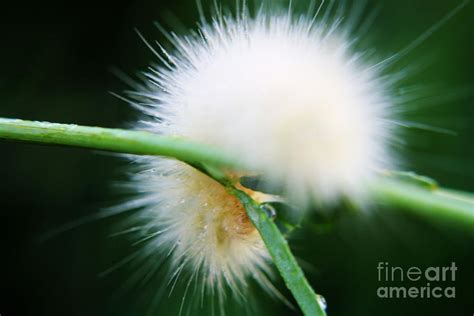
(287, 97)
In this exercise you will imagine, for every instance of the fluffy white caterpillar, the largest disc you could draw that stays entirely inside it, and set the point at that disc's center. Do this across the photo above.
(288, 97)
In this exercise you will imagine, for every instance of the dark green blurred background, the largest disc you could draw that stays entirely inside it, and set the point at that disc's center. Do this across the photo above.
(55, 62)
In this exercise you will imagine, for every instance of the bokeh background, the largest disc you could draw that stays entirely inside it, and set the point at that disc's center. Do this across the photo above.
(57, 63)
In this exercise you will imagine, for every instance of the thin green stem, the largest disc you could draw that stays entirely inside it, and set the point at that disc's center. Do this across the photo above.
(115, 140)
(440, 203)
(283, 258)
(436, 203)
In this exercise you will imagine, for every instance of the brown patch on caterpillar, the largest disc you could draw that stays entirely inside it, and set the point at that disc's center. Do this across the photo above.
(235, 218)
(231, 220)
(220, 211)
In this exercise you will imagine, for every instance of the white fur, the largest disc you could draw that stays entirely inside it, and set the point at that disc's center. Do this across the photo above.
(285, 96)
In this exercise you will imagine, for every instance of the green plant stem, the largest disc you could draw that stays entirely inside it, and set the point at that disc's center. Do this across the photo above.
(437, 203)
(115, 140)
(441, 203)
(283, 258)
